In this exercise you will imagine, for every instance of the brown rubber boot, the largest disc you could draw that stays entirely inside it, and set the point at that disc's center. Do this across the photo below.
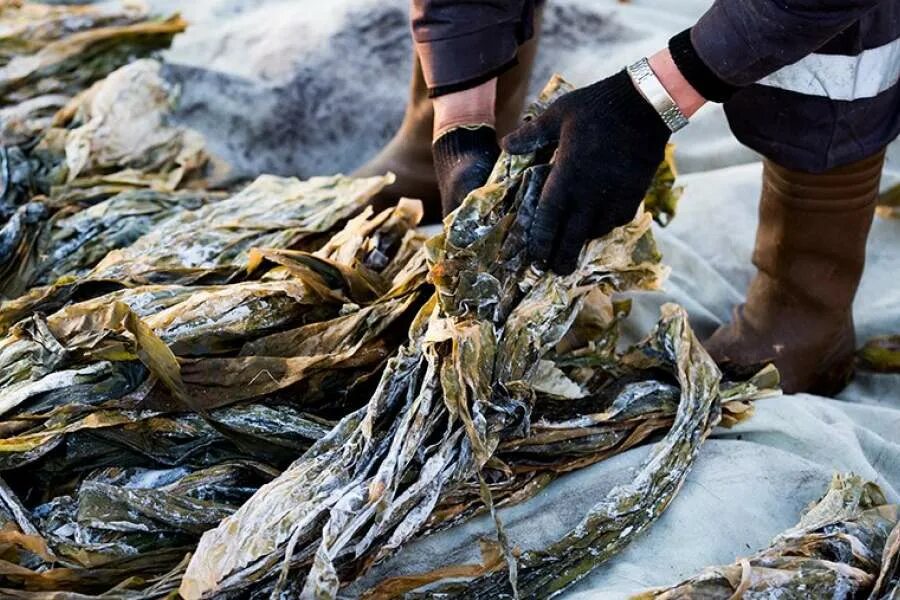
(809, 254)
(408, 154)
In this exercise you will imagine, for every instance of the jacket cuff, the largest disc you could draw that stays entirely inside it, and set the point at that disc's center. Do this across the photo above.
(459, 63)
(702, 78)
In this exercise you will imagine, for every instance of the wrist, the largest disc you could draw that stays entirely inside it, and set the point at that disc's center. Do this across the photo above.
(682, 92)
(470, 107)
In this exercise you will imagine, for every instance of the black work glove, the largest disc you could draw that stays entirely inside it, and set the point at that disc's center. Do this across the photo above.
(463, 159)
(610, 142)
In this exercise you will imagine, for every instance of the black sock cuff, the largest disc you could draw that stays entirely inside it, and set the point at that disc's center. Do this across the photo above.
(697, 73)
(460, 142)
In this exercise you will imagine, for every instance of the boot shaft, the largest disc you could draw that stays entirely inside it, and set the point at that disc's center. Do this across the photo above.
(810, 252)
(811, 239)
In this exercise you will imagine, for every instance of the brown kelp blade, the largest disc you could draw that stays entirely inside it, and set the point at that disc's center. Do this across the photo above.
(834, 552)
(889, 204)
(887, 586)
(662, 198)
(881, 354)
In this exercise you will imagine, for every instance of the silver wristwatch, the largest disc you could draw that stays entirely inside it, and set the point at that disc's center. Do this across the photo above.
(650, 87)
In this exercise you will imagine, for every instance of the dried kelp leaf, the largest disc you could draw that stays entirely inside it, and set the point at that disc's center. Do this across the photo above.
(889, 204)
(123, 122)
(76, 441)
(24, 122)
(76, 242)
(117, 511)
(395, 587)
(887, 586)
(662, 198)
(115, 576)
(834, 552)
(29, 26)
(371, 241)
(66, 61)
(72, 241)
(18, 237)
(351, 341)
(881, 354)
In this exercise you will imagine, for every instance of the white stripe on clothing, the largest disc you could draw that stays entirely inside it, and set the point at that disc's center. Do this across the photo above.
(841, 77)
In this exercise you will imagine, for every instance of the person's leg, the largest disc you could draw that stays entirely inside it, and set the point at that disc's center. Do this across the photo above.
(408, 154)
(809, 255)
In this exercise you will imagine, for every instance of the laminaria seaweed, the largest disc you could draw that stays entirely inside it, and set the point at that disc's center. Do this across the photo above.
(263, 390)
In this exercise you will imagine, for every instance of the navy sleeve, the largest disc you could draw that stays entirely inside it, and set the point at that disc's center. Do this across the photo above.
(462, 43)
(743, 41)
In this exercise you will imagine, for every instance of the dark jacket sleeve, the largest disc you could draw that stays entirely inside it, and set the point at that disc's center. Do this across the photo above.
(462, 43)
(742, 41)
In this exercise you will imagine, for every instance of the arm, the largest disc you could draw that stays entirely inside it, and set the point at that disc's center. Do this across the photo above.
(465, 144)
(463, 45)
(609, 140)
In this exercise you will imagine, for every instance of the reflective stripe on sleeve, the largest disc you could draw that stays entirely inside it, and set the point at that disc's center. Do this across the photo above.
(841, 77)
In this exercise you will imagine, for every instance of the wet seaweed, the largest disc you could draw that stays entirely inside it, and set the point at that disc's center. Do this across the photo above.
(842, 548)
(281, 381)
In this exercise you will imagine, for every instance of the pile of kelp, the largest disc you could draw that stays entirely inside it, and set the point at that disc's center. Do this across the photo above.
(263, 391)
(49, 57)
(482, 406)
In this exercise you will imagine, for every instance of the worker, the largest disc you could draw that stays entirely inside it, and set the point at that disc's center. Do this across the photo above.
(812, 85)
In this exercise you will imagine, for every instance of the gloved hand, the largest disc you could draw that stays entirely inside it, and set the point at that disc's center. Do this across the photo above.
(463, 159)
(610, 142)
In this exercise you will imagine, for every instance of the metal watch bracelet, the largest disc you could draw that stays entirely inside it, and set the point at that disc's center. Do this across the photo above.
(650, 87)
